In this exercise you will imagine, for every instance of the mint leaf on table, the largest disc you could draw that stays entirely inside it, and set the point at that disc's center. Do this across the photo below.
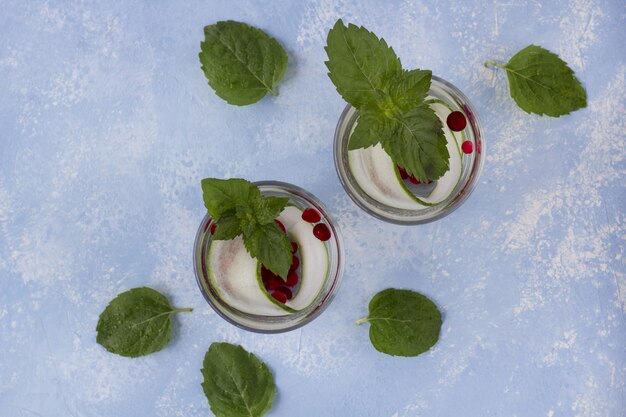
(241, 62)
(360, 65)
(368, 75)
(270, 246)
(402, 322)
(239, 208)
(236, 383)
(540, 82)
(136, 322)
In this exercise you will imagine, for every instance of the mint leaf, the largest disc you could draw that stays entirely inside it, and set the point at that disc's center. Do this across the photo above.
(402, 322)
(227, 228)
(360, 64)
(540, 82)
(371, 128)
(221, 196)
(241, 62)
(410, 88)
(419, 144)
(136, 322)
(236, 383)
(268, 208)
(270, 246)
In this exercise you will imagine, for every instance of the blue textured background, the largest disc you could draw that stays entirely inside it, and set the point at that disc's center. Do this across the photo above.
(107, 126)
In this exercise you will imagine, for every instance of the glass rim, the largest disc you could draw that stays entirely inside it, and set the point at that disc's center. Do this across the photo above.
(462, 194)
(333, 275)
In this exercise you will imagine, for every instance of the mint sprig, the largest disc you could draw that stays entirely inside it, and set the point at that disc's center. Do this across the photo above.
(238, 208)
(368, 75)
(540, 82)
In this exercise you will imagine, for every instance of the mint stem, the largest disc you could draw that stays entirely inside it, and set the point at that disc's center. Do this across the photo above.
(183, 310)
(361, 321)
(494, 64)
(274, 92)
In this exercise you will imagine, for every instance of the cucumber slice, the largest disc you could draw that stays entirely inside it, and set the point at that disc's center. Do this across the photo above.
(233, 274)
(314, 260)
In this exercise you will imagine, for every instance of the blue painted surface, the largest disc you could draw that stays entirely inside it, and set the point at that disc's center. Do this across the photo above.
(107, 126)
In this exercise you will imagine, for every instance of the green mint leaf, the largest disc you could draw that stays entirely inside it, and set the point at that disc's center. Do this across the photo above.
(221, 196)
(270, 246)
(227, 228)
(540, 82)
(360, 64)
(371, 128)
(268, 208)
(410, 88)
(419, 144)
(402, 322)
(241, 62)
(236, 383)
(136, 323)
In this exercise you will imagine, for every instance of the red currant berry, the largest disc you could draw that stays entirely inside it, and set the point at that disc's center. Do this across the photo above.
(311, 215)
(213, 226)
(467, 147)
(414, 180)
(285, 291)
(321, 232)
(280, 297)
(292, 279)
(402, 172)
(456, 121)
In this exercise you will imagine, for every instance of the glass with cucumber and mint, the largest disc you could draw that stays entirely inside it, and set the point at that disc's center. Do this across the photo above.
(408, 147)
(267, 256)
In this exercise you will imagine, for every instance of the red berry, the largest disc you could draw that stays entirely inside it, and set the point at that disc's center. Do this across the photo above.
(295, 262)
(272, 283)
(285, 291)
(266, 274)
(402, 172)
(478, 146)
(321, 232)
(292, 279)
(280, 297)
(294, 247)
(281, 225)
(414, 180)
(311, 215)
(213, 226)
(467, 147)
(456, 121)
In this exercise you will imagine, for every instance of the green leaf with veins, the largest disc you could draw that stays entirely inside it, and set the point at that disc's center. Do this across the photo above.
(236, 383)
(419, 144)
(402, 322)
(136, 322)
(270, 246)
(241, 62)
(372, 127)
(228, 227)
(360, 64)
(410, 88)
(540, 82)
(221, 196)
(268, 208)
